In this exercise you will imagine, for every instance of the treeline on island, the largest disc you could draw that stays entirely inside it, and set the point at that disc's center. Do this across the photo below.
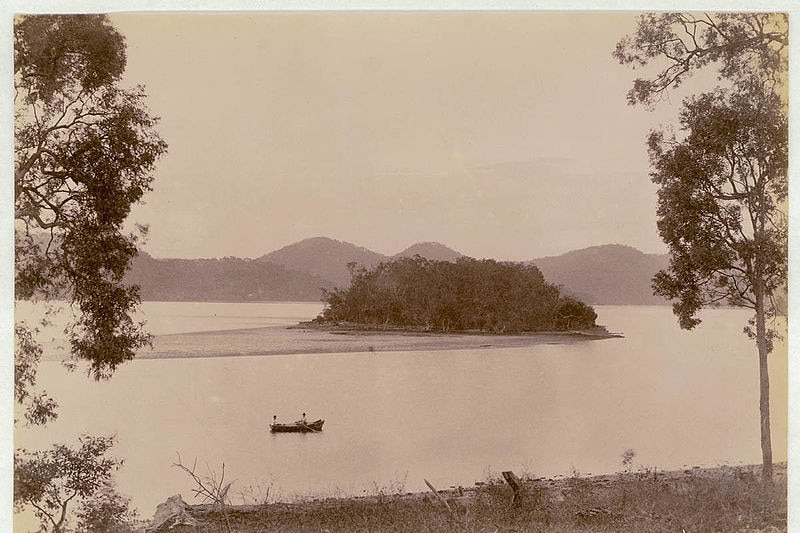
(468, 294)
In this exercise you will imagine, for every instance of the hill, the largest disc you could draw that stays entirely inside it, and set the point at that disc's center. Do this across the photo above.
(293, 273)
(228, 279)
(610, 274)
(430, 250)
(323, 257)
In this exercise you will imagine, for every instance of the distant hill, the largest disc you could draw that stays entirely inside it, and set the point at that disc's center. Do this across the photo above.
(608, 274)
(293, 273)
(228, 279)
(323, 257)
(430, 250)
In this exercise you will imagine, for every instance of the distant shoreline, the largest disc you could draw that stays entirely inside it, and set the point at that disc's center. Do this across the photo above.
(302, 339)
(598, 332)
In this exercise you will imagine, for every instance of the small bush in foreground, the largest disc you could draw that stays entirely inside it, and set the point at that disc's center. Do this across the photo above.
(50, 481)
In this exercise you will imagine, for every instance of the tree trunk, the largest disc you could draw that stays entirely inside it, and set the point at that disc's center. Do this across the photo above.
(763, 371)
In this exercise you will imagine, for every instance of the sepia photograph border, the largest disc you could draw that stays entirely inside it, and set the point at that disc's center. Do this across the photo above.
(12, 7)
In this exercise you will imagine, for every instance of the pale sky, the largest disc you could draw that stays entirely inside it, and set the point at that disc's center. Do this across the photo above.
(503, 135)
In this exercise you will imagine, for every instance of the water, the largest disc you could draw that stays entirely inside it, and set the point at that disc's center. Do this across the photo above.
(676, 398)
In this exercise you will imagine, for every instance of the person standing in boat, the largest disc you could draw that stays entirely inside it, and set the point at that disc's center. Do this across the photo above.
(274, 420)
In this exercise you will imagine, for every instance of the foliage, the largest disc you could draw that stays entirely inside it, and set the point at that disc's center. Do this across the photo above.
(106, 512)
(721, 190)
(39, 408)
(744, 45)
(443, 296)
(85, 150)
(49, 480)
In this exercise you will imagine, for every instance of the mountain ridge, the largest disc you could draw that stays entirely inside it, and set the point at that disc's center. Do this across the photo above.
(323, 257)
(602, 274)
(226, 279)
(612, 274)
(434, 251)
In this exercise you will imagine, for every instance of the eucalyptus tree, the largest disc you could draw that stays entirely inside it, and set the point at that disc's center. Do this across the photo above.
(742, 46)
(85, 151)
(723, 180)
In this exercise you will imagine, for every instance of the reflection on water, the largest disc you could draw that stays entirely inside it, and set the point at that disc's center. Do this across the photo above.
(676, 398)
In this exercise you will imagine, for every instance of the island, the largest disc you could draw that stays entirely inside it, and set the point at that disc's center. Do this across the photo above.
(465, 296)
(414, 304)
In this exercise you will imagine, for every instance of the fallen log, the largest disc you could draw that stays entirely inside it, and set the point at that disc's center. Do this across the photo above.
(438, 496)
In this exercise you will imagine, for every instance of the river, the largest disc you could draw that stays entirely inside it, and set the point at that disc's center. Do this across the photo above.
(677, 398)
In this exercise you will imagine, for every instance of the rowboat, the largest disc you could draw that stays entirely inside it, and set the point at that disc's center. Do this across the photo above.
(297, 427)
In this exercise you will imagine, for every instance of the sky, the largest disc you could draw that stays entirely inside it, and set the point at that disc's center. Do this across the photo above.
(502, 135)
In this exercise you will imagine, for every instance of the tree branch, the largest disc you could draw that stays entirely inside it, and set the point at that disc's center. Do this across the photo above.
(45, 513)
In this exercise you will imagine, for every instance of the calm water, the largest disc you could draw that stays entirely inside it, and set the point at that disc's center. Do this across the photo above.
(676, 398)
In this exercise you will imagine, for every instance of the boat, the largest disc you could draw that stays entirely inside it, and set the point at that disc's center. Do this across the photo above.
(297, 427)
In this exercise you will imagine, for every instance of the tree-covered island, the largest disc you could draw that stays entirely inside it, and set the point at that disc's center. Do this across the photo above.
(442, 296)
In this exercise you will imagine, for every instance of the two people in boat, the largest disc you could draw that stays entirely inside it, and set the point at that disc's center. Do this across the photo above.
(302, 421)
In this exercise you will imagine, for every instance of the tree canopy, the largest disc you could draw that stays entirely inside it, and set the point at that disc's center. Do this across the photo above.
(721, 190)
(85, 150)
(50, 480)
(742, 45)
(469, 294)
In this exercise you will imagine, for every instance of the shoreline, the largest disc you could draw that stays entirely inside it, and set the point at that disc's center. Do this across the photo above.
(302, 340)
(721, 498)
(599, 332)
(557, 483)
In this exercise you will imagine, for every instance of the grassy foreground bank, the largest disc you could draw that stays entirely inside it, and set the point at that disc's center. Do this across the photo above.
(692, 501)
